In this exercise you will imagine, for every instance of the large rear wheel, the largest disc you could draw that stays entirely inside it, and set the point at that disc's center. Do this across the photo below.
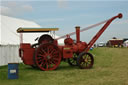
(48, 56)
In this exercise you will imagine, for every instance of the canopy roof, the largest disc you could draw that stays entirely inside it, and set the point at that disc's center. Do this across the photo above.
(31, 30)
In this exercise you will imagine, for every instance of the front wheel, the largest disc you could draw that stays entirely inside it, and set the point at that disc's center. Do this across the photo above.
(85, 60)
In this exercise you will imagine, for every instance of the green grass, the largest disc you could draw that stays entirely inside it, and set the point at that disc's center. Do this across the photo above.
(110, 68)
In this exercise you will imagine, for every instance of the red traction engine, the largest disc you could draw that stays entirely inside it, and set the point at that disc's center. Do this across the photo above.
(47, 54)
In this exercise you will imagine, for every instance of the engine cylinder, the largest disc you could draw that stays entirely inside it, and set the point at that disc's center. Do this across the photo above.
(79, 47)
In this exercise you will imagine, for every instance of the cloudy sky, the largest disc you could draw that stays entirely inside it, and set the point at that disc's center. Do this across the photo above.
(68, 14)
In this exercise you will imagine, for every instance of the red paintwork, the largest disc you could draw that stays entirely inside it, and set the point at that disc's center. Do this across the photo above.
(26, 53)
(66, 51)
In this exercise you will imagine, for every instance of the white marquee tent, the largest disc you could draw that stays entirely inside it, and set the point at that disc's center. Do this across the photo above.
(126, 43)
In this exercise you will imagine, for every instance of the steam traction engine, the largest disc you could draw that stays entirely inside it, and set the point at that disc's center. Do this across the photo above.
(47, 54)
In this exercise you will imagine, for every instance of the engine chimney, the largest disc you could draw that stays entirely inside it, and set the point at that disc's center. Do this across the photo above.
(77, 34)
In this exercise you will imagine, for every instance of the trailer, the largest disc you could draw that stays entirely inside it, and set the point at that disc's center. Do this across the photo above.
(115, 43)
(47, 54)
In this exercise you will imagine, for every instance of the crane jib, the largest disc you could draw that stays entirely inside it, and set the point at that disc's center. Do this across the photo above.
(90, 27)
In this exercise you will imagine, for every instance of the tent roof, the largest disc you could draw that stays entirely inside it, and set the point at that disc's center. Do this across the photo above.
(8, 28)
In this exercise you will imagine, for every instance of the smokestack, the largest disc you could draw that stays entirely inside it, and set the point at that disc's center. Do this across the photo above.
(77, 34)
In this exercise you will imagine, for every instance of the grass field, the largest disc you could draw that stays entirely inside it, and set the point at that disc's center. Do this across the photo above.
(110, 68)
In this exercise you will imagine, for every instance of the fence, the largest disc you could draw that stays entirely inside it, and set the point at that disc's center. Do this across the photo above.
(9, 54)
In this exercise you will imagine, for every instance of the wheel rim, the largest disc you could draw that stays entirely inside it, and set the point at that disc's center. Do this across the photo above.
(85, 60)
(73, 61)
(48, 57)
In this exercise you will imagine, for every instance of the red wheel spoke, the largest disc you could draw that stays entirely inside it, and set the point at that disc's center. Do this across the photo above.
(39, 57)
(44, 63)
(52, 52)
(48, 51)
(55, 52)
(41, 64)
(55, 56)
(53, 61)
(56, 59)
(41, 51)
(50, 63)
(46, 66)
(50, 48)
(39, 60)
(44, 51)
(42, 55)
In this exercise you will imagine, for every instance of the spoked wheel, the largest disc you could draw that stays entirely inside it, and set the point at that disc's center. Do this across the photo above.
(48, 56)
(73, 61)
(85, 60)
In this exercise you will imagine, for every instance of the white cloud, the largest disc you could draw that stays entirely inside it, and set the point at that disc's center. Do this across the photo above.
(15, 8)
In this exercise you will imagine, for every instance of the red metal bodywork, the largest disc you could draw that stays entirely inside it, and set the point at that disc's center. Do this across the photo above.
(70, 47)
(26, 53)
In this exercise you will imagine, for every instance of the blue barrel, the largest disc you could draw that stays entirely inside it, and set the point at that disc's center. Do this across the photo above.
(13, 70)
